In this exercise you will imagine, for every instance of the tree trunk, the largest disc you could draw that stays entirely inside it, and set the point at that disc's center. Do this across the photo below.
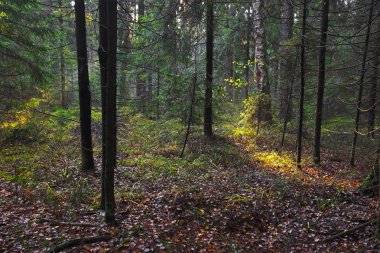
(158, 93)
(207, 127)
(102, 51)
(286, 56)
(62, 58)
(247, 54)
(302, 87)
(373, 95)
(140, 85)
(84, 87)
(261, 72)
(111, 113)
(321, 83)
(361, 87)
(375, 65)
(125, 45)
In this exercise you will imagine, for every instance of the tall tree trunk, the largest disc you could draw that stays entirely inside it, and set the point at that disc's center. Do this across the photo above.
(302, 87)
(158, 93)
(247, 54)
(373, 94)
(286, 55)
(361, 86)
(140, 85)
(207, 124)
(125, 46)
(229, 75)
(111, 113)
(62, 58)
(321, 82)
(261, 70)
(229, 65)
(84, 87)
(102, 52)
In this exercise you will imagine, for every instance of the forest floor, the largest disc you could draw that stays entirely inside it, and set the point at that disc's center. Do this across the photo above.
(229, 194)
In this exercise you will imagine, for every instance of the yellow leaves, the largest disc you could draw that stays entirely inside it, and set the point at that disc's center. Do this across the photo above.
(282, 162)
(89, 18)
(21, 117)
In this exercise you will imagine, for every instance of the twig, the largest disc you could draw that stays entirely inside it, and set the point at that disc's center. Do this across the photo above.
(78, 241)
(57, 222)
(349, 231)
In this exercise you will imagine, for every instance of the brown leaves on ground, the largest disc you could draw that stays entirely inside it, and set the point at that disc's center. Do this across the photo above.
(249, 208)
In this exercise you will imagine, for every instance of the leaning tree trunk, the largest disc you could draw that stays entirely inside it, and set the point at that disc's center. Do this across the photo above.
(102, 51)
(261, 72)
(321, 83)
(302, 87)
(361, 86)
(84, 87)
(286, 57)
(111, 113)
(207, 124)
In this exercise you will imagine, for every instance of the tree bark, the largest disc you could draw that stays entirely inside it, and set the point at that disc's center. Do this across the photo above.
(84, 88)
(62, 58)
(373, 98)
(261, 72)
(374, 82)
(286, 56)
(207, 124)
(125, 45)
(321, 82)
(102, 51)
(140, 85)
(302, 86)
(361, 87)
(247, 54)
(111, 113)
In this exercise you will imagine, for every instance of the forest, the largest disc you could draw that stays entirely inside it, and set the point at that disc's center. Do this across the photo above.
(189, 126)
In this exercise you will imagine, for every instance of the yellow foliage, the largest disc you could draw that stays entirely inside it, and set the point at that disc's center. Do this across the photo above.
(280, 162)
(21, 117)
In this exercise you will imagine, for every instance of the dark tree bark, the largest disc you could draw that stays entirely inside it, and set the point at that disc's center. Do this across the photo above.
(230, 54)
(125, 46)
(62, 58)
(302, 86)
(286, 57)
(321, 82)
(207, 124)
(111, 113)
(84, 87)
(140, 85)
(361, 86)
(102, 51)
(373, 94)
